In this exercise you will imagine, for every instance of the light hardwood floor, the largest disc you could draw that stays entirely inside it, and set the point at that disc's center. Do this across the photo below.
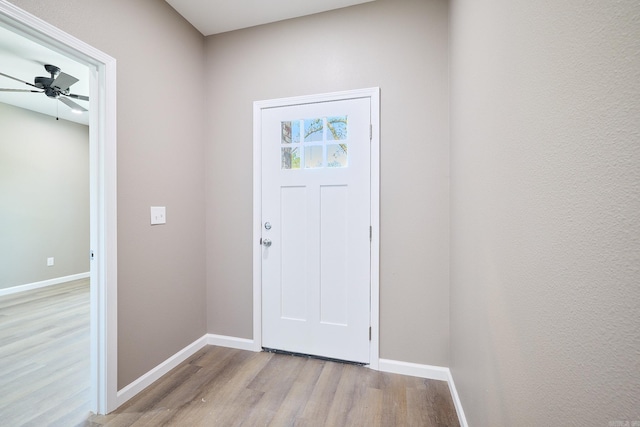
(226, 387)
(44, 380)
(44, 356)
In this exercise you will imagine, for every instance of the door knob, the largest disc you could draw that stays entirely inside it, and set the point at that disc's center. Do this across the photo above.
(266, 242)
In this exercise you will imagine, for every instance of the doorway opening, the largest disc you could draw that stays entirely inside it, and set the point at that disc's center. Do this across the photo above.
(102, 194)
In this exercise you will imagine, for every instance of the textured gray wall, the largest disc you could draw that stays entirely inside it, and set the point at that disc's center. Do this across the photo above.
(160, 113)
(400, 46)
(44, 197)
(545, 285)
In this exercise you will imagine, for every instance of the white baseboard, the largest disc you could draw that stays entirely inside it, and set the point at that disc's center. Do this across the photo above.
(414, 369)
(42, 284)
(153, 375)
(456, 401)
(426, 371)
(231, 342)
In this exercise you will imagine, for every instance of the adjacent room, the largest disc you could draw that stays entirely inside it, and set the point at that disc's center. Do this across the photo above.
(505, 251)
(44, 249)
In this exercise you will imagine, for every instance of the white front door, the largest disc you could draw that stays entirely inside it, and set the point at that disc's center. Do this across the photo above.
(316, 190)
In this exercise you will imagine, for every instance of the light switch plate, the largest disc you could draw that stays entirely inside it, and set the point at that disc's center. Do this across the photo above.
(50, 261)
(158, 215)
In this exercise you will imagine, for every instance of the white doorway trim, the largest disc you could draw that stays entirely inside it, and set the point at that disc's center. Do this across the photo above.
(102, 153)
(258, 106)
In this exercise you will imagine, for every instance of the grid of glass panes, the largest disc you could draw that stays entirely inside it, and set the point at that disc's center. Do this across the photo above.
(314, 143)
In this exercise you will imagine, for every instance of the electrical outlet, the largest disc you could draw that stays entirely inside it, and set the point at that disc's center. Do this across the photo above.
(50, 261)
(158, 215)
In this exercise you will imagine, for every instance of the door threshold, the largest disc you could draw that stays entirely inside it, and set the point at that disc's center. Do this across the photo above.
(312, 356)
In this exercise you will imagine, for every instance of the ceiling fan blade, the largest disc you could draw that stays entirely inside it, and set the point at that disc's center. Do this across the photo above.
(21, 90)
(63, 81)
(72, 104)
(80, 97)
(18, 80)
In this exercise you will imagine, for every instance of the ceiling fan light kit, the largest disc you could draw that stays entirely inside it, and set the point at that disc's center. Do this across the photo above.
(56, 87)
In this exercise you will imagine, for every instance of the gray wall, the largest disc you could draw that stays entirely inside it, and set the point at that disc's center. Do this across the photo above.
(545, 284)
(44, 197)
(160, 107)
(400, 46)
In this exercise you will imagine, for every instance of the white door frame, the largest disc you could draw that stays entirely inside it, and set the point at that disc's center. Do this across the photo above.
(102, 158)
(258, 106)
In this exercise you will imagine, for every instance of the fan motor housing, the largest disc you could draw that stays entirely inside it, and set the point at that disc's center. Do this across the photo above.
(43, 82)
(51, 92)
(53, 70)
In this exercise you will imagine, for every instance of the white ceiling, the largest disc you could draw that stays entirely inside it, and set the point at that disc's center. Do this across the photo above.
(218, 16)
(25, 59)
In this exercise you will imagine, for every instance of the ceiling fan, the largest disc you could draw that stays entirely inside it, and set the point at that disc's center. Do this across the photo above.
(56, 87)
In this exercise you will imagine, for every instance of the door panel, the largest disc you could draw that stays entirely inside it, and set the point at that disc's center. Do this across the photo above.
(333, 254)
(292, 252)
(316, 199)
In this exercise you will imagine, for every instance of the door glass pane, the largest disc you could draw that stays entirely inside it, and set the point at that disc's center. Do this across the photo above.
(290, 158)
(313, 130)
(337, 155)
(321, 132)
(313, 156)
(337, 128)
(290, 132)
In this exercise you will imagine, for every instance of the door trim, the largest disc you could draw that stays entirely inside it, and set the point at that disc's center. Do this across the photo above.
(102, 158)
(258, 106)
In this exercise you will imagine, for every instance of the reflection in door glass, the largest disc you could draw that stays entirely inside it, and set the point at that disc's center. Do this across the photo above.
(337, 128)
(313, 130)
(290, 132)
(286, 133)
(313, 156)
(324, 140)
(290, 158)
(337, 155)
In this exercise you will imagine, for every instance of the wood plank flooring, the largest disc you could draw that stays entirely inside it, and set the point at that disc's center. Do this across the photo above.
(44, 356)
(226, 387)
(44, 380)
